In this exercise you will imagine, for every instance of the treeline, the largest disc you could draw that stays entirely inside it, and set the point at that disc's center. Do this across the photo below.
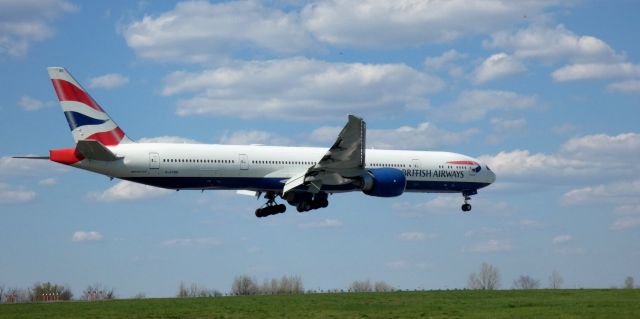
(487, 278)
(48, 292)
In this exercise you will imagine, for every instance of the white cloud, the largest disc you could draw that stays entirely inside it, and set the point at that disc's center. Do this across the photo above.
(28, 167)
(199, 31)
(423, 136)
(561, 239)
(628, 209)
(323, 223)
(447, 204)
(48, 182)
(15, 195)
(497, 66)
(490, 246)
(254, 137)
(476, 104)
(26, 21)
(553, 44)
(597, 156)
(81, 236)
(29, 104)
(628, 86)
(445, 60)
(301, 88)
(505, 125)
(108, 81)
(126, 190)
(482, 232)
(625, 223)
(384, 24)
(529, 223)
(168, 139)
(598, 71)
(625, 192)
(184, 242)
(415, 236)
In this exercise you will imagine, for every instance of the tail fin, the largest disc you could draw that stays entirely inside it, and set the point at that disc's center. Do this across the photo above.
(87, 120)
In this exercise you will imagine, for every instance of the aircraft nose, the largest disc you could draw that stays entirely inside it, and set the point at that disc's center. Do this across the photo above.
(492, 176)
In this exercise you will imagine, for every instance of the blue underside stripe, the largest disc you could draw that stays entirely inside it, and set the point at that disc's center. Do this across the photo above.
(276, 184)
(76, 119)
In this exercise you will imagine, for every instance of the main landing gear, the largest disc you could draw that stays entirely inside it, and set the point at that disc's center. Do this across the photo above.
(305, 202)
(271, 207)
(466, 207)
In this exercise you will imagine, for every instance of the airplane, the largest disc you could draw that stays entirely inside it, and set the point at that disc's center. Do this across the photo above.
(304, 177)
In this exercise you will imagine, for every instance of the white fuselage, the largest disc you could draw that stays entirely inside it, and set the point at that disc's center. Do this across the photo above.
(266, 168)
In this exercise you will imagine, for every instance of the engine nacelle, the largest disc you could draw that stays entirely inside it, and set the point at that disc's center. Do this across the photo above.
(384, 182)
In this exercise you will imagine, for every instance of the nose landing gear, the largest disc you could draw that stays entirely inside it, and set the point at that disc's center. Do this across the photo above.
(466, 207)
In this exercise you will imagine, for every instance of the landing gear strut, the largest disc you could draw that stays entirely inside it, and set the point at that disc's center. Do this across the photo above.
(466, 207)
(271, 207)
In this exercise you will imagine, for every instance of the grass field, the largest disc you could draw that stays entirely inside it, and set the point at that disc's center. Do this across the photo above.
(616, 303)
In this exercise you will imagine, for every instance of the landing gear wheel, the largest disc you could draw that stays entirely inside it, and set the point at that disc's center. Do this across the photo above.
(466, 207)
(270, 208)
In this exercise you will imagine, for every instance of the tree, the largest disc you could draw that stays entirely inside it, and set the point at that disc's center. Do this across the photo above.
(381, 286)
(629, 283)
(50, 292)
(1, 293)
(195, 291)
(487, 279)
(526, 282)
(361, 286)
(18, 295)
(244, 285)
(555, 280)
(98, 292)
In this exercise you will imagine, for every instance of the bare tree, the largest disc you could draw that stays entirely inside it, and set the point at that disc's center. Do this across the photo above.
(1, 293)
(15, 295)
(526, 282)
(361, 286)
(182, 291)
(487, 279)
(555, 280)
(140, 295)
(98, 292)
(195, 291)
(381, 286)
(629, 283)
(244, 285)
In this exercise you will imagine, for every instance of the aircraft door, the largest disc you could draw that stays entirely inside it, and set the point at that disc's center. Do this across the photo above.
(154, 163)
(243, 159)
(416, 163)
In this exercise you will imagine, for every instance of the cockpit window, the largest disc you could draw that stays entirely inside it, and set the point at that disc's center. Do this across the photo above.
(487, 166)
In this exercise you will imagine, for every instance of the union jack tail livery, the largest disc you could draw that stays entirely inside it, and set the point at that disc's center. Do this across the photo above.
(87, 120)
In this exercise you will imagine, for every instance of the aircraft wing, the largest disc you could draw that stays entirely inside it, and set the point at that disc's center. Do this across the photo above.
(343, 161)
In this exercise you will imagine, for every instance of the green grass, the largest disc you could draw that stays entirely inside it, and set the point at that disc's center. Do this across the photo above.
(616, 303)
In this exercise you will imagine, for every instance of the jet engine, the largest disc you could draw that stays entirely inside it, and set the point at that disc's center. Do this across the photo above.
(383, 182)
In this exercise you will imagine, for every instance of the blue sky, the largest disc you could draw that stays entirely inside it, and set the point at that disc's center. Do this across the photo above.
(546, 92)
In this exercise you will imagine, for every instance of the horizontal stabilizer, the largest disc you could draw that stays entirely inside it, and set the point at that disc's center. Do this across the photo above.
(94, 150)
(32, 157)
